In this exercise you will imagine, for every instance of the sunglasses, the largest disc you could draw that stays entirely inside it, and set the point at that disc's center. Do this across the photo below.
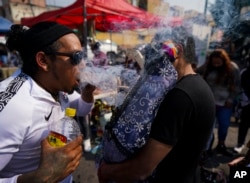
(75, 58)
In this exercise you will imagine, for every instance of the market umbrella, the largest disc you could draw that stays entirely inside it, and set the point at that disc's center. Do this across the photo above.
(108, 15)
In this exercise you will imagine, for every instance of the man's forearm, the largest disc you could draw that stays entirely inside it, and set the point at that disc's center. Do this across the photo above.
(33, 177)
(123, 172)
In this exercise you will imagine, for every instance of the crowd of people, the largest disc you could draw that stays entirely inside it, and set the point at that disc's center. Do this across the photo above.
(9, 61)
(48, 82)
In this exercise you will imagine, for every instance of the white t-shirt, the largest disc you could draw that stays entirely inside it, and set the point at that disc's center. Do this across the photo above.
(26, 110)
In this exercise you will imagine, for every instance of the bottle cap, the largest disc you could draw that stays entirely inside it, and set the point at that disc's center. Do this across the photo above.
(70, 112)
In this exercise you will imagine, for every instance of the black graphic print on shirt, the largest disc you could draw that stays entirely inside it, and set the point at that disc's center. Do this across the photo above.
(11, 90)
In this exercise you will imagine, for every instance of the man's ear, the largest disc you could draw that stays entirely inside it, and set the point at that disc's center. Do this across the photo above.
(180, 49)
(42, 61)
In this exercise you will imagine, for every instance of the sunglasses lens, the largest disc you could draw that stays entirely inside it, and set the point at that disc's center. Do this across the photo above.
(77, 57)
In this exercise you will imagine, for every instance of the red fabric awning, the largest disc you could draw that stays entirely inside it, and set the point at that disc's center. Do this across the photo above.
(108, 15)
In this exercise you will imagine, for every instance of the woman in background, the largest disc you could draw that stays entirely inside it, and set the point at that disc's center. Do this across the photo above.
(223, 77)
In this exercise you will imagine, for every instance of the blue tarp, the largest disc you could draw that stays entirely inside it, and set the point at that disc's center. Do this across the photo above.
(5, 25)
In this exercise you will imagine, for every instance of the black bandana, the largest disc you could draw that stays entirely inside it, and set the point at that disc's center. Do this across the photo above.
(37, 40)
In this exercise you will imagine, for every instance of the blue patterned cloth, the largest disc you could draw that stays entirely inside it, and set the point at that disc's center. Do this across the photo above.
(129, 128)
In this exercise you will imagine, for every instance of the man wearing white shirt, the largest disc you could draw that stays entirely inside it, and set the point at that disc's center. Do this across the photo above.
(36, 95)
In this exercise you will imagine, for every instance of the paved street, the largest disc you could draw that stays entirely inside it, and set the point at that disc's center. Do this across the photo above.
(86, 172)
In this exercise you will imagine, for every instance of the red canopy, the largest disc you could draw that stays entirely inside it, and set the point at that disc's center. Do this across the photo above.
(108, 15)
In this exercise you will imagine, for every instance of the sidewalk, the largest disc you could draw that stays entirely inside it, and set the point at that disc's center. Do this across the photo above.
(86, 172)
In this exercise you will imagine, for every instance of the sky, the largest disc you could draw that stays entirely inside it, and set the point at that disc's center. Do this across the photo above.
(60, 2)
(187, 4)
(198, 5)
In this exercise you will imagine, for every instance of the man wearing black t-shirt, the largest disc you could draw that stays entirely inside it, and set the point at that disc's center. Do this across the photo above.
(180, 130)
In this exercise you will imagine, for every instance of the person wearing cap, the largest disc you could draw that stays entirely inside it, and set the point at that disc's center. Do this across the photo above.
(34, 96)
(181, 127)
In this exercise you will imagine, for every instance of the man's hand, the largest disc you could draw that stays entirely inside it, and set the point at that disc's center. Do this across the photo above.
(58, 162)
(87, 93)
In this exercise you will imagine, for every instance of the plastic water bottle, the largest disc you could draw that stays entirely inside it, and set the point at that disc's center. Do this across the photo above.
(64, 130)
